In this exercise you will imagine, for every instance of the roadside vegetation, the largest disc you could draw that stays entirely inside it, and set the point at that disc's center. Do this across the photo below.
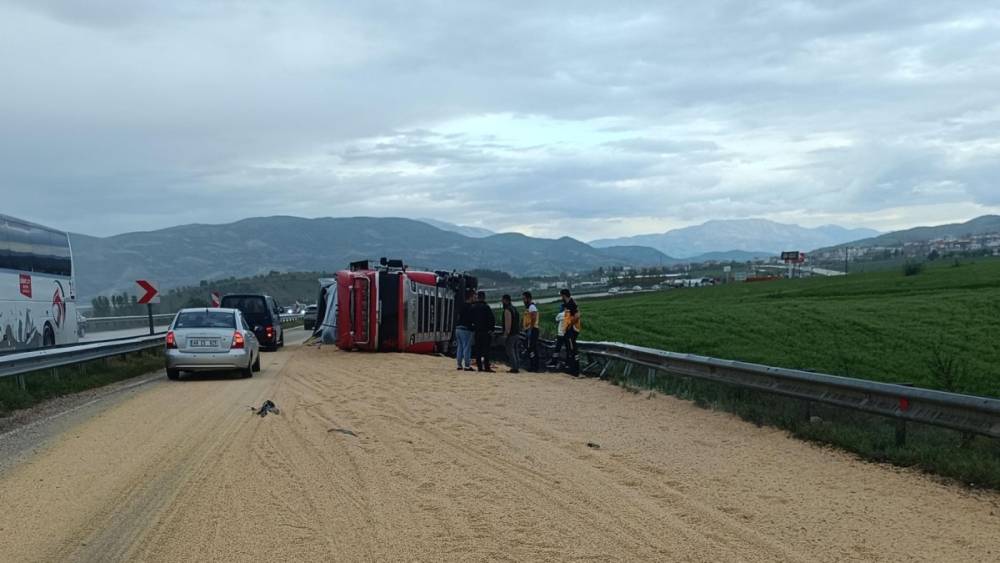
(29, 389)
(285, 287)
(937, 327)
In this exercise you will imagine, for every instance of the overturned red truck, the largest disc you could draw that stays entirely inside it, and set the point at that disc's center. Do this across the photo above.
(388, 308)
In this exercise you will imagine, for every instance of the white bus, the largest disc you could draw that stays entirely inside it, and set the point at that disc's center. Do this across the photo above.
(37, 295)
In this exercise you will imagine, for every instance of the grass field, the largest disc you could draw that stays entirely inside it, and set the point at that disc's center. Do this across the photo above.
(938, 329)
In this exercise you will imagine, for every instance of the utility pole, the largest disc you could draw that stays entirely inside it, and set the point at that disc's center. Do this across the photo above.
(847, 253)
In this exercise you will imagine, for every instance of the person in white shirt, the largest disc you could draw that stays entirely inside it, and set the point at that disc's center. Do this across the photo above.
(529, 322)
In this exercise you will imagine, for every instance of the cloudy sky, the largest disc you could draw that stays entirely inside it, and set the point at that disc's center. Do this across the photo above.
(587, 119)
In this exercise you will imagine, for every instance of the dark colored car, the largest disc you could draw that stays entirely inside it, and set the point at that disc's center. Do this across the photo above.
(309, 318)
(263, 315)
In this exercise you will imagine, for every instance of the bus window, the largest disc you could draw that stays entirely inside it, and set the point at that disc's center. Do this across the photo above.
(20, 247)
(62, 264)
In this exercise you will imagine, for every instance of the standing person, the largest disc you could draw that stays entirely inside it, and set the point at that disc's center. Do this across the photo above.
(511, 334)
(571, 326)
(463, 335)
(529, 323)
(483, 324)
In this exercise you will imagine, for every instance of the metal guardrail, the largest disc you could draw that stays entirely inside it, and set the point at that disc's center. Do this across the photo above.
(35, 360)
(965, 413)
(95, 325)
(102, 324)
(132, 317)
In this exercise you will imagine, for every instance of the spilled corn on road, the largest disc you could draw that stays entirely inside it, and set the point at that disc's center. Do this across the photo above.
(399, 457)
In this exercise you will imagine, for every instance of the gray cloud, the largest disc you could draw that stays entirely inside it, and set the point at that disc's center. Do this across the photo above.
(584, 118)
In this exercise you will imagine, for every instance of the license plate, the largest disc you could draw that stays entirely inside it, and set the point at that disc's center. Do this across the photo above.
(203, 342)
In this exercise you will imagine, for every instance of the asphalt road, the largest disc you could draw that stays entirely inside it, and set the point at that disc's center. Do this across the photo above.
(397, 457)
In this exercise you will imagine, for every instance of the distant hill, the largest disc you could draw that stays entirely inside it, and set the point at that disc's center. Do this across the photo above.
(980, 225)
(472, 232)
(751, 235)
(185, 255)
(640, 255)
(731, 256)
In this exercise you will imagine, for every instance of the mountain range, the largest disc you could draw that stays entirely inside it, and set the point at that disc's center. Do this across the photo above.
(757, 236)
(187, 254)
(985, 224)
(472, 232)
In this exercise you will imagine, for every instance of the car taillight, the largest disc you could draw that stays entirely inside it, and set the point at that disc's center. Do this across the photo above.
(269, 330)
(237, 340)
(171, 340)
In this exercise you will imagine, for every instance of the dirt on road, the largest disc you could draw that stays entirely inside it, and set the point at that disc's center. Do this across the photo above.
(400, 458)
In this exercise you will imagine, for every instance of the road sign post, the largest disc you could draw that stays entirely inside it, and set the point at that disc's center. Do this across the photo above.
(151, 296)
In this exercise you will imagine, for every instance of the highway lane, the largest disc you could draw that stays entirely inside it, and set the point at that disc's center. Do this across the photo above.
(399, 457)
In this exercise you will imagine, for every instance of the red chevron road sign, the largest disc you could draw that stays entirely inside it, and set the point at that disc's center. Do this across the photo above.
(152, 294)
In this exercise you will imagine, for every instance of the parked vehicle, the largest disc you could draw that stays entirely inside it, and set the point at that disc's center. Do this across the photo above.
(81, 325)
(309, 317)
(37, 296)
(262, 314)
(209, 340)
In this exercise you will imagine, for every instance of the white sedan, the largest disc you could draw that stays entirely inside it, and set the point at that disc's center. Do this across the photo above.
(211, 340)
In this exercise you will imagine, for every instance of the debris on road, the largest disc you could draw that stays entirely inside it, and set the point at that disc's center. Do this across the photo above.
(343, 431)
(267, 407)
(594, 445)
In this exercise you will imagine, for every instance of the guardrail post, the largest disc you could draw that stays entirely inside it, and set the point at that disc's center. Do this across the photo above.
(900, 433)
(21, 383)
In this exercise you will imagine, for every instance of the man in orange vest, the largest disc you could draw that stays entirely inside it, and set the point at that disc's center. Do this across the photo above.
(529, 323)
(571, 327)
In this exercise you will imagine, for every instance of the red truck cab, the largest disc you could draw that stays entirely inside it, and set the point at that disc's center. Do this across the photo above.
(392, 309)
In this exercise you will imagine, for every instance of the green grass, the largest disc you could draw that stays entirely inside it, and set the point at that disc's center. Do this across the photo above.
(938, 329)
(43, 385)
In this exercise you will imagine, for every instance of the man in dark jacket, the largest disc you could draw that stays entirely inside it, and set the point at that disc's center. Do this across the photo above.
(511, 334)
(483, 323)
(463, 333)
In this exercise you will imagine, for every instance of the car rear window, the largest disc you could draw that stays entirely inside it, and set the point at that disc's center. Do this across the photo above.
(250, 304)
(205, 319)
